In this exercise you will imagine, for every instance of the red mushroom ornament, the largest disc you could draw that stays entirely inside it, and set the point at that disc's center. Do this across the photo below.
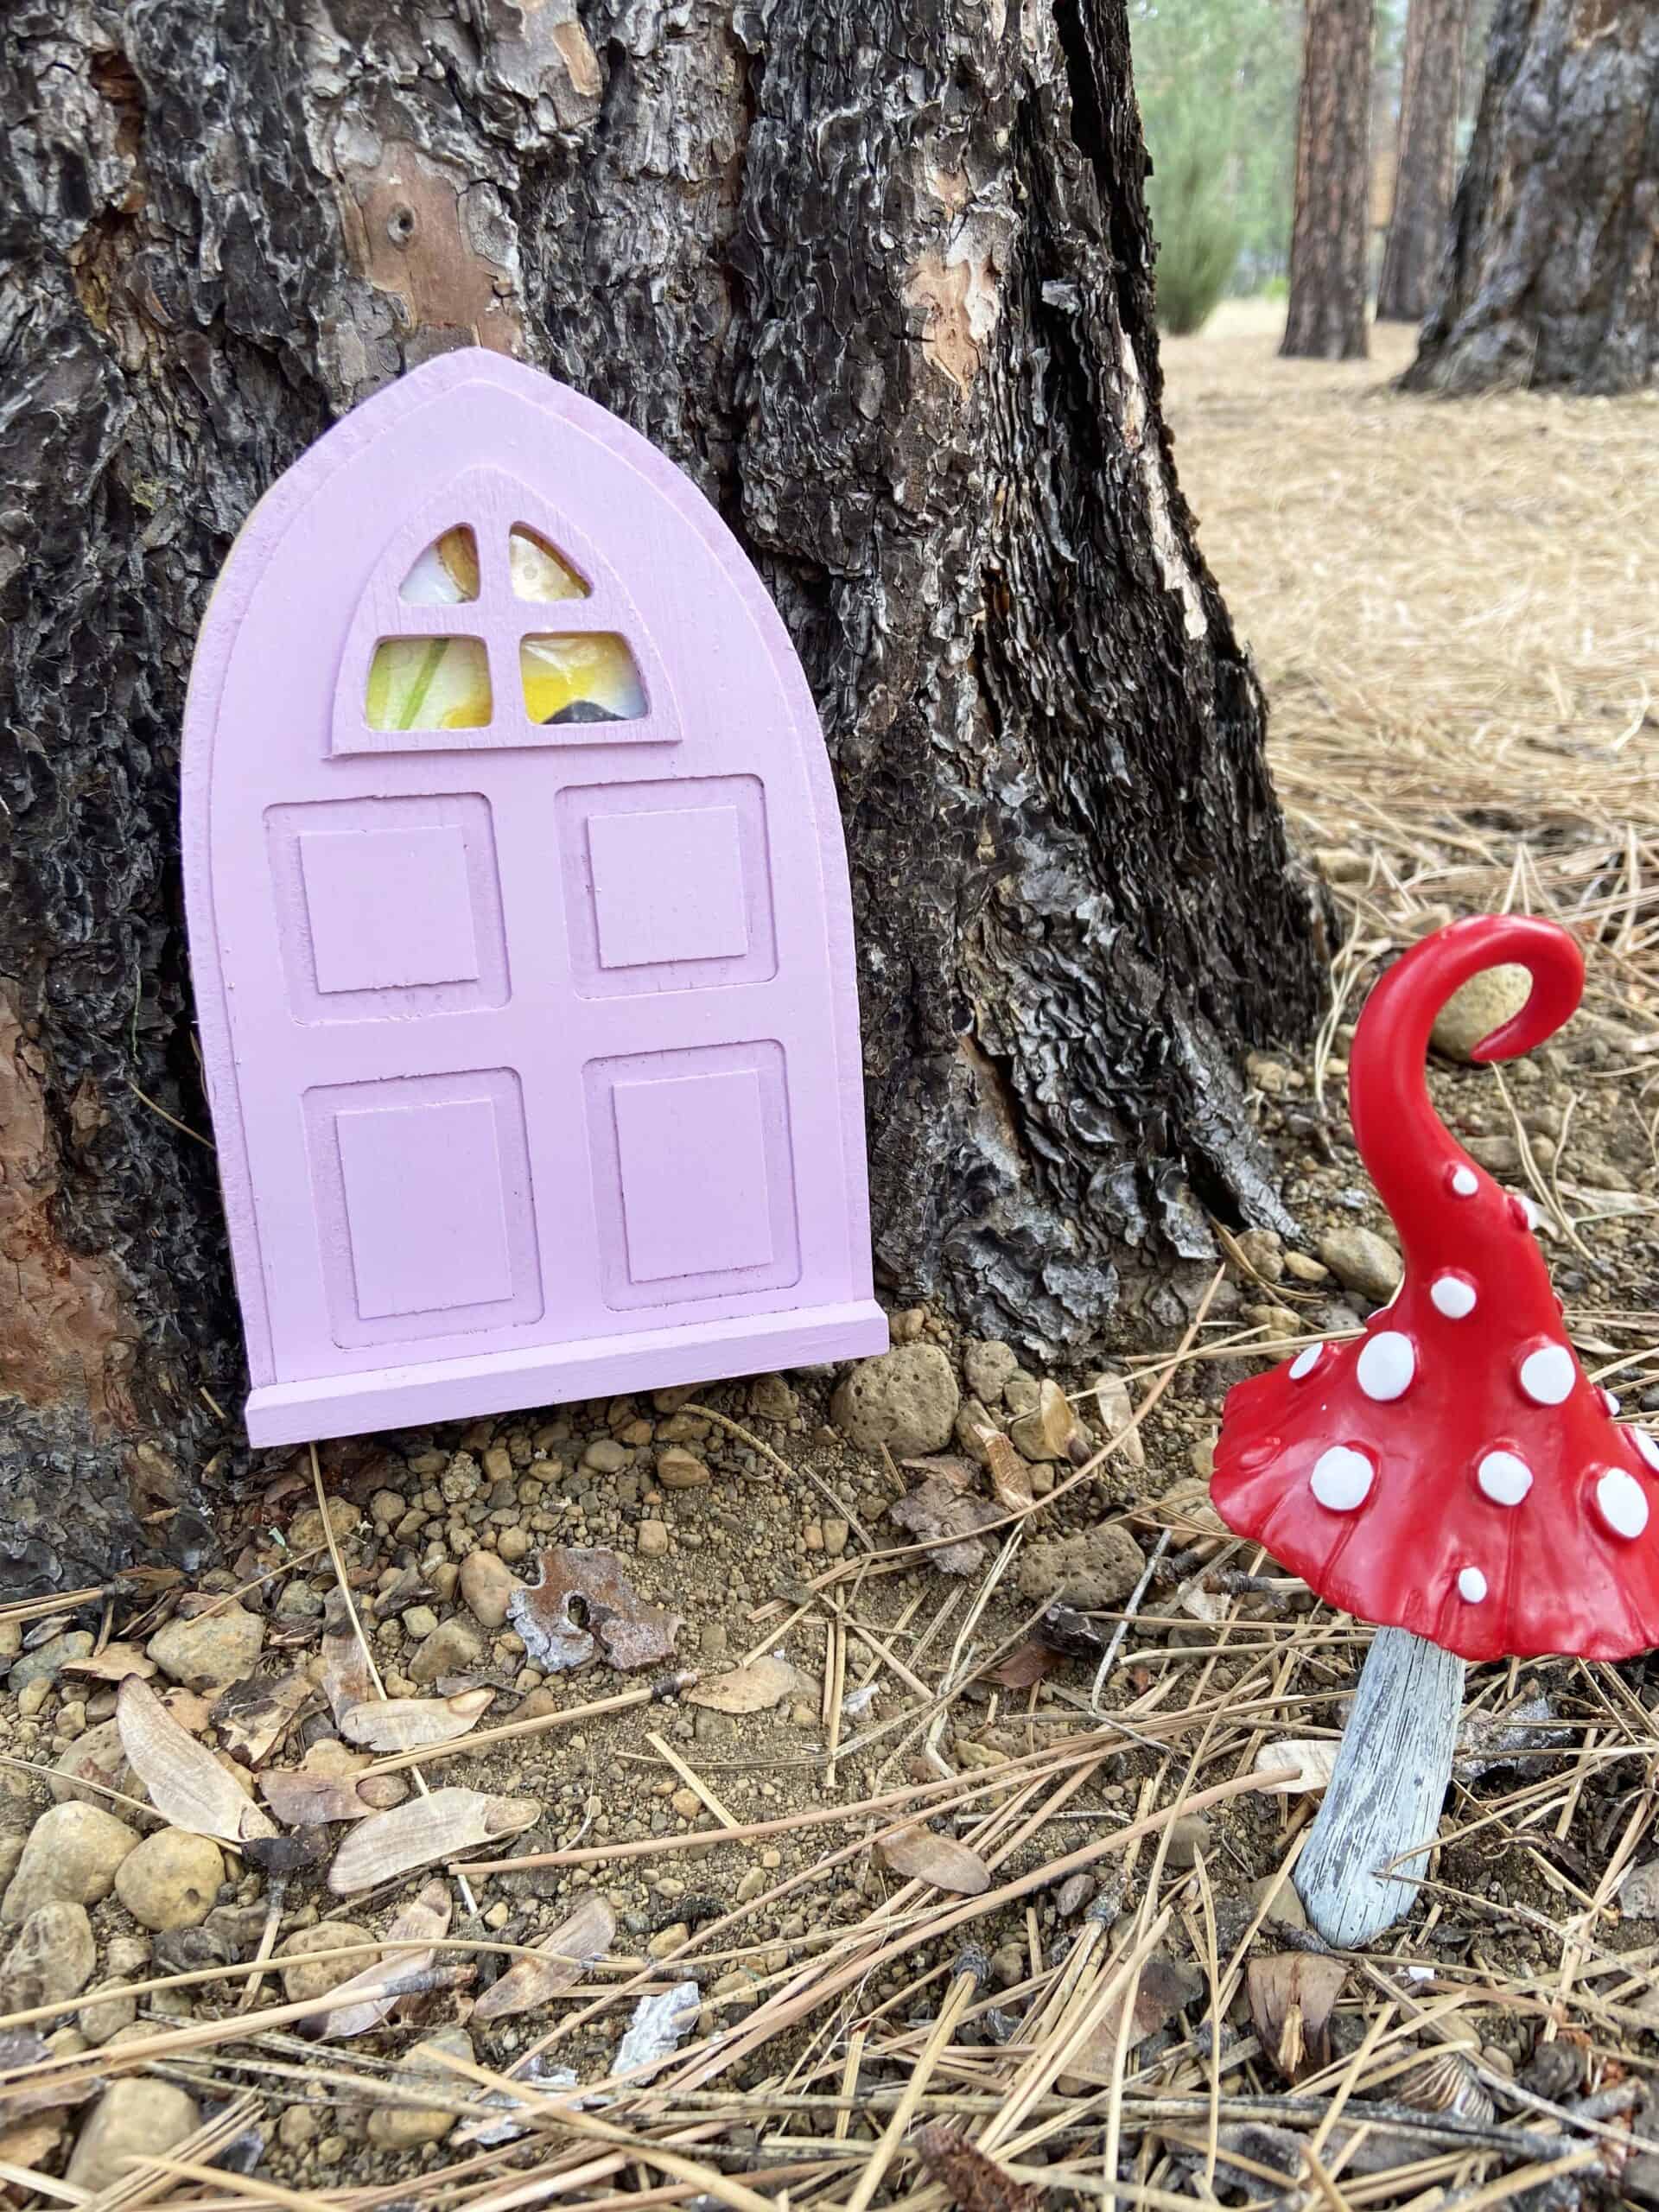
(1452, 1475)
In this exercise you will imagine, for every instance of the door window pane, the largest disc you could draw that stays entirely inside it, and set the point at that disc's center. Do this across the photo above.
(585, 676)
(428, 684)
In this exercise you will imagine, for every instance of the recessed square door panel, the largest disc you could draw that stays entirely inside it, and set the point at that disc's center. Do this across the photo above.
(388, 906)
(423, 1206)
(668, 885)
(693, 1176)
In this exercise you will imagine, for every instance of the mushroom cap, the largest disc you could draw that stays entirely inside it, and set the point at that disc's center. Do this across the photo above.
(1453, 1471)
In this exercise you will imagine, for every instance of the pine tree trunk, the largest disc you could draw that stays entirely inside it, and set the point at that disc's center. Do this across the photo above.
(1551, 275)
(1425, 173)
(876, 273)
(1325, 319)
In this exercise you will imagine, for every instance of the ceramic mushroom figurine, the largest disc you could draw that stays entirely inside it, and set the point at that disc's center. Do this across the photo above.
(1451, 1475)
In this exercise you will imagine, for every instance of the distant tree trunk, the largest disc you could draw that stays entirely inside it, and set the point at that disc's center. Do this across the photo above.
(1325, 320)
(1552, 279)
(877, 273)
(1426, 172)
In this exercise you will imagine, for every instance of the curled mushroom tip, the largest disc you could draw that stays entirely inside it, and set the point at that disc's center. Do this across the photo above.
(1453, 1472)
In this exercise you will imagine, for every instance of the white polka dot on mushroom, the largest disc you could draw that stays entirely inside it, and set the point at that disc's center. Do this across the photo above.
(1453, 1295)
(1342, 1478)
(1471, 1586)
(1610, 1400)
(1546, 1375)
(1305, 1361)
(1646, 1446)
(1464, 1182)
(1386, 1365)
(1622, 1502)
(1504, 1477)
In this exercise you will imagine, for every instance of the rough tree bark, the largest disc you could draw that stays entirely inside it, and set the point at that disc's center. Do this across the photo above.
(1426, 172)
(1551, 277)
(876, 273)
(1330, 230)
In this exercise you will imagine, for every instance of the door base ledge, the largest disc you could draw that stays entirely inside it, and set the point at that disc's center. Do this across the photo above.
(549, 1375)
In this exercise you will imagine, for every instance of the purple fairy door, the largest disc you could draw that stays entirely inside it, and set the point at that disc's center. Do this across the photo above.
(520, 930)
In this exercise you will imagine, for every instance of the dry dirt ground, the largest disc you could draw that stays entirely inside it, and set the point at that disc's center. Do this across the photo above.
(885, 1873)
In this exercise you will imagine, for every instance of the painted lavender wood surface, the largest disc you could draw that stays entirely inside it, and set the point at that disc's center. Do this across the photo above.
(879, 277)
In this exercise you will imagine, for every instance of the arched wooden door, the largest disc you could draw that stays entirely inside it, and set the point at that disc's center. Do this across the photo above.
(520, 925)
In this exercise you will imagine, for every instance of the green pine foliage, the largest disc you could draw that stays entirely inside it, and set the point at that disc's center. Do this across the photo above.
(1217, 82)
(1198, 238)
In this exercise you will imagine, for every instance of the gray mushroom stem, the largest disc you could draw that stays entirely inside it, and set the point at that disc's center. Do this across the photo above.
(1386, 1791)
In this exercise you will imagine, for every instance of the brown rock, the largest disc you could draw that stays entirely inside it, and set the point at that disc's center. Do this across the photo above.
(72, 1854)
(171, 1880)
(1098, 1568)
(52, 1959)
(403, 2126)
(304, 1978)
(905, 1399)
(132, 2119)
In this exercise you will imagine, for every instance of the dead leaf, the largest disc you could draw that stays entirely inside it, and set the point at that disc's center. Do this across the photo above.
(422, 1829)
(1165, 1987)
(970, 2177)
(113, 1664)
(347, 1681)
(1291, 1996)
(561, 1958)
(629, 1632)
(1029, 1662)
(186, 1784)
(1010, 1471)
(363, 2002)
(921, 1856)
(1306, 1762)
(409, 1724)
(302, 1800)
(254, 1716)
(935, 1509)
(766, 1682)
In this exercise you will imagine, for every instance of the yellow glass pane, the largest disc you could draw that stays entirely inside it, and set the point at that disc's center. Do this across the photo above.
(428, 684)
(589, 676)
(538, 571)
(447, 573)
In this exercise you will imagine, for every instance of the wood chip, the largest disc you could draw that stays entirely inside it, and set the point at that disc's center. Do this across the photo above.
(1307, 1763)
(186, 1784)
(561, 1960)
(921, 1856)
(766, 1682)
(415, 1833)
(614, 1621)
(409, 1724)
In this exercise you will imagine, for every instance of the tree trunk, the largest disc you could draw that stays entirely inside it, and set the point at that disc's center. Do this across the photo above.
(1552, 274)
(1330, 231)
(1426, 173)
(876, 273)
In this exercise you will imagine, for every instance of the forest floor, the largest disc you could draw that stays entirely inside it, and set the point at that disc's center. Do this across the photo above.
(895, 1751)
